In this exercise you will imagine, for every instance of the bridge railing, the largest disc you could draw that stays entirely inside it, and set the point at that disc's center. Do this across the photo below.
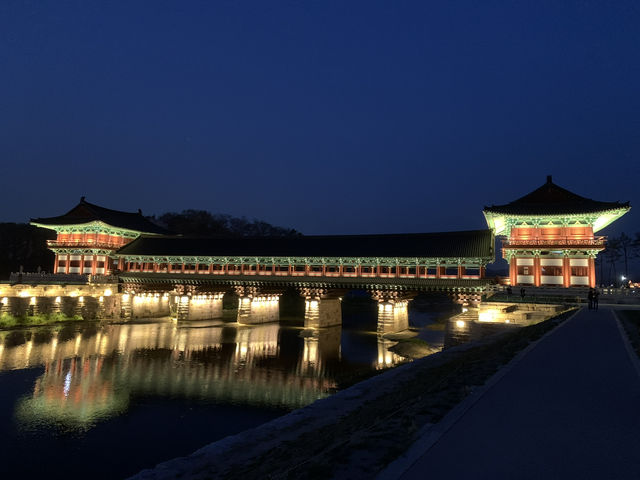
(35, 278)
(40, 278)
(563, 241)
(83, 244)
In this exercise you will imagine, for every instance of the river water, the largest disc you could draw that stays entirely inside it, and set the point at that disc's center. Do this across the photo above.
(102, 400)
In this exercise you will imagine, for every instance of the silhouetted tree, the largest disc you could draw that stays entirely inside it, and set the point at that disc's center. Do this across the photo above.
(635, 246)
(203, 223)
(625, 243)
(24, 245)
(612, 254)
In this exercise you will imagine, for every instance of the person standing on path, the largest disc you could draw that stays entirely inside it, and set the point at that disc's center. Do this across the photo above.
(595, 300)
(590, 298)
(522, 293)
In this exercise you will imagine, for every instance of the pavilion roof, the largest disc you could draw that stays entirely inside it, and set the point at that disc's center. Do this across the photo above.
(86, 212)
(463, 244)
(550, 199)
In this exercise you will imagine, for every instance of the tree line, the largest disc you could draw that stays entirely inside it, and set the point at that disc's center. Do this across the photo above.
(206, 224)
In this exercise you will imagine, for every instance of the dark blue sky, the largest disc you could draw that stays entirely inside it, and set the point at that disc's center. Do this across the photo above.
(325, 116)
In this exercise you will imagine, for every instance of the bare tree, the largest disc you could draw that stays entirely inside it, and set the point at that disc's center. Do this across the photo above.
(635, 246)
(612, 254)
(625, 244)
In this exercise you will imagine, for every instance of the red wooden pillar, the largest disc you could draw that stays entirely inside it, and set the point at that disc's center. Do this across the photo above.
(93, 264)
(82, 264)
(566, 271)
(592, 272)
(513, 271)
(55, 264)
(461, 271)
(536, 271)
(438, 271)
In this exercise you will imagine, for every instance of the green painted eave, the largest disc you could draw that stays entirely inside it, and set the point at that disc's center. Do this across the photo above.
(502, 224)
(95, 226)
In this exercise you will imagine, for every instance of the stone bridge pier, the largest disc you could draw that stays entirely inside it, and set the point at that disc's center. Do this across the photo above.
(189, 304)
(255, 307)
(321, 308)
(393, 311)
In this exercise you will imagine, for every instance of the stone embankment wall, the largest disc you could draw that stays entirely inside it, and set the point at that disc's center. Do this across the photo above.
(88, 301)
(495, 317)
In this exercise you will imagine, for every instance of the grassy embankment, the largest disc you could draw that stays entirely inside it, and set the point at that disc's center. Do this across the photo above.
(10, 321)
(21, 312)
(362, 442)
(631, 322)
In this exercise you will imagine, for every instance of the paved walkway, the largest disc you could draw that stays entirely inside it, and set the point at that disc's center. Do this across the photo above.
(569, 409)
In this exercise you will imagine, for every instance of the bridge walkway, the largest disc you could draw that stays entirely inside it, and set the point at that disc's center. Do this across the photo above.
(570, 408)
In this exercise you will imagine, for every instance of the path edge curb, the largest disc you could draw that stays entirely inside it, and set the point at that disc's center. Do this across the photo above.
(635, 361)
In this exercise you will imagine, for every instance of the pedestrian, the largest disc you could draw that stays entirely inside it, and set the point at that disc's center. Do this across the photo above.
(509, 292)
(595, 300)
(590, 298)
(522, 292)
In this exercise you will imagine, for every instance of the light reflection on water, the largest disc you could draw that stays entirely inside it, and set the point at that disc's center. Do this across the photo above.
(92, 372)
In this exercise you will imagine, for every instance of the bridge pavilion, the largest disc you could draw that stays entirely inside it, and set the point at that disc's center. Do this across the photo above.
(550, 235)
(88, 235)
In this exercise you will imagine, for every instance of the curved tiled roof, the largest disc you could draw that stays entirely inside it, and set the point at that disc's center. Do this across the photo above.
(86, 212)
(550, 199)
(472, 243)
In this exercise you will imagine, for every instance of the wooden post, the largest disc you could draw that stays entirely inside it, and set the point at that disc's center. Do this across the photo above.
(592, 272)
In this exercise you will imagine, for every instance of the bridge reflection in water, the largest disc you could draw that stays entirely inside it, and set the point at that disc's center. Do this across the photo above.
(91, 373)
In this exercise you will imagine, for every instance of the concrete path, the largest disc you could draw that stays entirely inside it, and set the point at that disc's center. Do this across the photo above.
(570, 408)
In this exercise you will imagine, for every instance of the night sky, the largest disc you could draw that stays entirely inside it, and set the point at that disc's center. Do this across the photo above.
(324, 116)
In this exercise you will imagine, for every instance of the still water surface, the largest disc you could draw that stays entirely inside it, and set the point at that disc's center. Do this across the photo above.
(107, 400)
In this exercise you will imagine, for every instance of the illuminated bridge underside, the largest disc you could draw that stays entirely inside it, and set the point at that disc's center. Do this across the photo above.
(195, 296)
(160, 280)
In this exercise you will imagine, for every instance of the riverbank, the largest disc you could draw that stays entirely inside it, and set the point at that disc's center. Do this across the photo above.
(9, 322)
(358, 431)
